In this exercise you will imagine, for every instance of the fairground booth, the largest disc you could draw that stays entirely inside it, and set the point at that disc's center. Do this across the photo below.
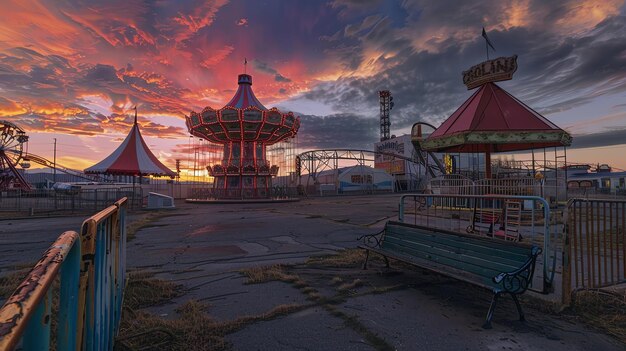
(492, 121)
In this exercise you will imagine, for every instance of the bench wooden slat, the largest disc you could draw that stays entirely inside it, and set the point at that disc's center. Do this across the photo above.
(461, 256)
(492, 255)
(428, 254)
(446, 270)
(518, 248)
(488, 252)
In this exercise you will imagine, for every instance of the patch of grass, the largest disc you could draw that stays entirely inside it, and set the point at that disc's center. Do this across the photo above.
(353, 323)
(314, 296)
(344, 258)
(336, 281)
(194, 329)
(308, 290)
(144, 290)
(386, 289)
(299, 283)
(144, 330)
(602, 310)
(257, 275)
(10, 281)
(278, 311)
(350, 286)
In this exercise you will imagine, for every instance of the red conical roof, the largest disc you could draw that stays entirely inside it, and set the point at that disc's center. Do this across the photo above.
(492, 120)
(132, 157)
(244, 97)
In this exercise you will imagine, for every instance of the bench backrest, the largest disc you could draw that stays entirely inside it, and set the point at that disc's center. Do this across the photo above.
(485, 258)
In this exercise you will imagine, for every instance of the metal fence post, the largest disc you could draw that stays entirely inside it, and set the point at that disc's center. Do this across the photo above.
(566, 284)
(69, 321)
(38, 329)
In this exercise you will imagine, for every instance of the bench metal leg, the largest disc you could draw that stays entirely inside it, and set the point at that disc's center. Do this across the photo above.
(492, 308)
(386, 262)
(367, 256)
(519, 308)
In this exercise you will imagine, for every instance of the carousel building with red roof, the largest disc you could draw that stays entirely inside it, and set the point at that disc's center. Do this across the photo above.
(245, 128)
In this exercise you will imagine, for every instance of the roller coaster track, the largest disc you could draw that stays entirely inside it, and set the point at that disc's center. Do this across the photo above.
(47, 163)
(312, 161)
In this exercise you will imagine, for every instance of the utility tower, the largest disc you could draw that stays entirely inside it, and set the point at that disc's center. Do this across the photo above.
(386, 104)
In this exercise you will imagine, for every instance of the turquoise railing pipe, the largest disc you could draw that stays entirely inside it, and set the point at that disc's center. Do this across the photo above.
(92, 270)
(28, 311)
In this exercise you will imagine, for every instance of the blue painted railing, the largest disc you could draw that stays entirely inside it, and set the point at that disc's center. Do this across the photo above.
(92, 269)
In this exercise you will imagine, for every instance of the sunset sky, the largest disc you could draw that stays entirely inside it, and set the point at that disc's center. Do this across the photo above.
(74, 70)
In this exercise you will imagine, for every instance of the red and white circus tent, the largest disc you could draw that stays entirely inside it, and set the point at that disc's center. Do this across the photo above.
(132, 158)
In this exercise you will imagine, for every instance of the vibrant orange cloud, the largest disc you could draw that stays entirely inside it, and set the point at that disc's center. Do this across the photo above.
(27, 22)
(216, 56)
(584, 15)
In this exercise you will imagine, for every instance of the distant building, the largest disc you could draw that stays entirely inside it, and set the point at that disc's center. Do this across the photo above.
(355, 179)
(602, 179)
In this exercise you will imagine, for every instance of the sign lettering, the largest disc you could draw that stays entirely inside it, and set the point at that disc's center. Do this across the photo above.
(494, 70)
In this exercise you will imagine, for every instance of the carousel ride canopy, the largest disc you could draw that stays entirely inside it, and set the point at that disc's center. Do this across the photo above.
(493, 120)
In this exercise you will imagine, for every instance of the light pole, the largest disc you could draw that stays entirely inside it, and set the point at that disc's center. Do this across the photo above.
(54, 162)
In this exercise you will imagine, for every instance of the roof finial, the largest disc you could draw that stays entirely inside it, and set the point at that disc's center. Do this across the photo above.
(135, 115)
(245, 65)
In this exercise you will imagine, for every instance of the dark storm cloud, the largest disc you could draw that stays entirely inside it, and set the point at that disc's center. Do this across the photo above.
(606, 138)
(351, 8)
(556, 72)
(583, 67)
(264, 67)
(336, 131)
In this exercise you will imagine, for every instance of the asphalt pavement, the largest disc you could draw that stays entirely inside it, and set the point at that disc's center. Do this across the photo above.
(204, 247)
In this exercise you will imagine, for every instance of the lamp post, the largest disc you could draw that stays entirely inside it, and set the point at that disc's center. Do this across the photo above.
(54, 162)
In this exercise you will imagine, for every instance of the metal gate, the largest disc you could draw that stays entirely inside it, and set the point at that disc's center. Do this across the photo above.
(594, 254)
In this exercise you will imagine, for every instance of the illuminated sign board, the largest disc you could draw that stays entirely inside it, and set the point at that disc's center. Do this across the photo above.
(392, 167)
(385, 159)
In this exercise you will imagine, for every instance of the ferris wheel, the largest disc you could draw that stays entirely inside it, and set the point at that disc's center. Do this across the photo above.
(12, 140)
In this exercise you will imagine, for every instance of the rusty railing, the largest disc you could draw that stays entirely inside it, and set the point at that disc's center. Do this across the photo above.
(91, 267)
(595, 246)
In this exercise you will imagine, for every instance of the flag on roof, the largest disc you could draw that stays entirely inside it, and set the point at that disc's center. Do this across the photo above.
(487, 39)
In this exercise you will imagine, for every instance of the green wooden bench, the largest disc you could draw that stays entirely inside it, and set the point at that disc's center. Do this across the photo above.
(500, 266)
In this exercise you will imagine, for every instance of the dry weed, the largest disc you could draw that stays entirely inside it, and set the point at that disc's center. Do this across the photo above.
(258, 275)
(602, 310)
